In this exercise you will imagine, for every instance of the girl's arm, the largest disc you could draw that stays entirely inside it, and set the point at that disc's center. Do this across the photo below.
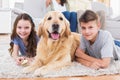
(15, 54)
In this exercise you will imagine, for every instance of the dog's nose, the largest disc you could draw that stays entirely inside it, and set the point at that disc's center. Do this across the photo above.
(55, 27)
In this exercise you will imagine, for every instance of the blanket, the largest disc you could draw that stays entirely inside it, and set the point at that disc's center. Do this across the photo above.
(9, 69)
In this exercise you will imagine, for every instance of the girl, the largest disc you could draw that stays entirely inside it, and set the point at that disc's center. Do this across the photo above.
(23, 39)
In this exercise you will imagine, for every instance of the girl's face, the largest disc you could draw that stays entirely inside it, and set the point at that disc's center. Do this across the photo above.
(90, 30)
(23, 29)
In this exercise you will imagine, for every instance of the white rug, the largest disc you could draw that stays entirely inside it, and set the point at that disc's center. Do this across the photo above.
(8, 68)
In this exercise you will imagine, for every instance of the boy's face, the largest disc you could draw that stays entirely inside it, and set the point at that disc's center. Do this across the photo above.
(90, 30)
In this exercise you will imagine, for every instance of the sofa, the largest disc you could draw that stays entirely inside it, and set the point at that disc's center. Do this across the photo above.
(107, 22)
(35, 8)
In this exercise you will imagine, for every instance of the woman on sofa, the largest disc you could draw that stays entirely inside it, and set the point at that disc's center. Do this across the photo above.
(63, 6)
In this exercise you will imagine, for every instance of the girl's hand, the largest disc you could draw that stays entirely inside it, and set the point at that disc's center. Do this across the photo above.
(48, 2)
(29, 59)
(23, 60)
(19, 60)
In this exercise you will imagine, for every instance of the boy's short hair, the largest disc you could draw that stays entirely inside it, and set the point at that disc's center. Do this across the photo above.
(87, 16)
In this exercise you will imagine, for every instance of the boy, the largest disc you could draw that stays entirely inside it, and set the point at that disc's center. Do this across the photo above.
(97, 48)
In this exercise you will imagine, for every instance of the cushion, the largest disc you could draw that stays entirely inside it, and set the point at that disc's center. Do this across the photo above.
(79, 5)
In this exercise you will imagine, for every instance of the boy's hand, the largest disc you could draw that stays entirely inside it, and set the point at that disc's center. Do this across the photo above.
(95, 65)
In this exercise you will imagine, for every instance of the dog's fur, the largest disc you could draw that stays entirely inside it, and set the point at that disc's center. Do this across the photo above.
(57, 44)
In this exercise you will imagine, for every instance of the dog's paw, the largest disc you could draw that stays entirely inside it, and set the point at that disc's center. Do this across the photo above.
(37, 73)
(27, 70)
(40, 72)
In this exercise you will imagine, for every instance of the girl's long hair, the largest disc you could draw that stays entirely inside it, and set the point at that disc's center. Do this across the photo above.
(32, 42)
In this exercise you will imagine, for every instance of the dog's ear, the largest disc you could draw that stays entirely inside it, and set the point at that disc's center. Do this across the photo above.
(67, 31)
(40, 27)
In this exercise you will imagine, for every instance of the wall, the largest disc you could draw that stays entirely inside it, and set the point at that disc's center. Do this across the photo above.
(0, 3)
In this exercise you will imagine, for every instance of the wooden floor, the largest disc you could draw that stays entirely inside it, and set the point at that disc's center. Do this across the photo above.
(5, 37)
(106, 77)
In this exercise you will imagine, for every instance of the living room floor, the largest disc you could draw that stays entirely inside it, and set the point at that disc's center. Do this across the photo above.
(105, 77)
(4, 41)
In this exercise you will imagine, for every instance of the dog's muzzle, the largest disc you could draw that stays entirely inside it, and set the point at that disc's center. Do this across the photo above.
(55, 32)
(55, 27)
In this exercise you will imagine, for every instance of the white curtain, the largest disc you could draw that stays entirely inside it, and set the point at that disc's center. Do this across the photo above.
(115, 5)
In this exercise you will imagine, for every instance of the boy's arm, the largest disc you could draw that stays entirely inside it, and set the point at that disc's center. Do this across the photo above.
(81, 54)
(83, 62)
(105, 62)
(91, 61)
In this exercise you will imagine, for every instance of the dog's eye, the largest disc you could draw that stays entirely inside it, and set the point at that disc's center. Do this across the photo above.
(49, 18)
(61, 18)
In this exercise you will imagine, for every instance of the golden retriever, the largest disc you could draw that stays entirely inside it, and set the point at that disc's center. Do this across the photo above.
(57, 44)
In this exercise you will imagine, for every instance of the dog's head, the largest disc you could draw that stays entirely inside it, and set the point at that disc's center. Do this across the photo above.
(54, 25)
